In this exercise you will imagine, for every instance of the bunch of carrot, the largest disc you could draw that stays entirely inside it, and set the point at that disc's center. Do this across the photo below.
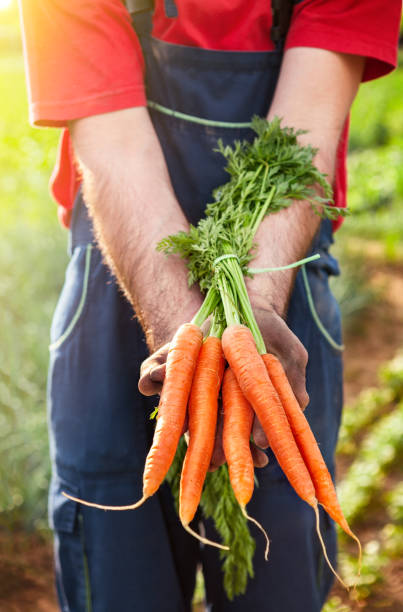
(251, 384)
(266, 175)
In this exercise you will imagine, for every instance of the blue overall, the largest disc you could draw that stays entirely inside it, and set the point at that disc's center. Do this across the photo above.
(100, 430)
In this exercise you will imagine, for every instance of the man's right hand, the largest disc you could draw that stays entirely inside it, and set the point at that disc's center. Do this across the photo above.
(152, 372)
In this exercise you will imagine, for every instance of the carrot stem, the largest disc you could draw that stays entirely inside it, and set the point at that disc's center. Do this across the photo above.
(233, 274)
(217, 325)
(228, 300)
(210, 302)
(262, 210)
(246, 306)
(295, 264)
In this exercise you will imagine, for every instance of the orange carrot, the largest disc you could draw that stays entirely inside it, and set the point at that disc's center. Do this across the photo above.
(240, 351)
(238, 420)
(202, 415)
(180, 367)
(249, 368)
(324, 488)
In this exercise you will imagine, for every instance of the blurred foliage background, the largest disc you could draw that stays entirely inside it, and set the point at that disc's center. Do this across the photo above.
(32, 260)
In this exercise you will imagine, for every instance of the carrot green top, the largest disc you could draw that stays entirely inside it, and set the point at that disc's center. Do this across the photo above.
(265, 175)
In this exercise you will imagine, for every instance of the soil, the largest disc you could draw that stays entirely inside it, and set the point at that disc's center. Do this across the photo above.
(26, 573)
(26, 566)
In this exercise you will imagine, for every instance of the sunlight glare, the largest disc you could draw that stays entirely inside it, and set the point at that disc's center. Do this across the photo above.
(5, 4)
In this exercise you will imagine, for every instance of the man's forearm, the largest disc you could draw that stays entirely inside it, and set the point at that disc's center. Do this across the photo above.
(130, 197)
(315, 91)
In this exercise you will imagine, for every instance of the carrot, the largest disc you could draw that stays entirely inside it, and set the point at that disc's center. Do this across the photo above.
(324, 488)
(202, 415)
(248, 366)
(240, 351)
(180, 367)
(238, 420)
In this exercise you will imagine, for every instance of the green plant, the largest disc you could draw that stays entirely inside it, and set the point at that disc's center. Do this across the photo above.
(378, 412)
(379, 450)
(32, 257)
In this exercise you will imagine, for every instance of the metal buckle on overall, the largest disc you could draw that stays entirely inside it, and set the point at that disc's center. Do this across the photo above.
(139, 6)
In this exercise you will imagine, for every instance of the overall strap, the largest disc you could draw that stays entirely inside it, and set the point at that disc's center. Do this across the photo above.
(141, 6)
(281, 16)
(140, 12)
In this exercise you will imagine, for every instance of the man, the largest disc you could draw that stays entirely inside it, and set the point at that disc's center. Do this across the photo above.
(145, 173)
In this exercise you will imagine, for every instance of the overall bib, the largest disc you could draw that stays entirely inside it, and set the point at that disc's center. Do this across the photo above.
(99, 423)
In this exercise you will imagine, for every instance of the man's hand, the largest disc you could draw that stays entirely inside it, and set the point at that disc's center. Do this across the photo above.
(152, 372)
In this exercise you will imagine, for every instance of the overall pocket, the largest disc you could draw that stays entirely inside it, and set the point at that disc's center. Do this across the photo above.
(97, 418)
(71, 563)
(73, 298)
(323, 307)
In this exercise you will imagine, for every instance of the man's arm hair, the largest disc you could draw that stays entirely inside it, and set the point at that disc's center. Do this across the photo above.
(131, 200)
(315, 91)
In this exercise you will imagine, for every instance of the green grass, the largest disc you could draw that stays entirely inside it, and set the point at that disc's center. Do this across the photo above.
(377, 113)
(376, 163)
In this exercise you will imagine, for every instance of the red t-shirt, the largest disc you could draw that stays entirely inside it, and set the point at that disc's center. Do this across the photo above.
(83, 57)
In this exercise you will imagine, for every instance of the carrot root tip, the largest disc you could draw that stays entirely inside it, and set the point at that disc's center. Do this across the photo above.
(359, 551)
(102, 507)
(202, 539)
(250, 518)
(316, 510)
(344, 525)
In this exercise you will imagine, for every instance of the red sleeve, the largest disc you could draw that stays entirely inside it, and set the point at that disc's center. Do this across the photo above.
(82, 58)
(369, 28)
